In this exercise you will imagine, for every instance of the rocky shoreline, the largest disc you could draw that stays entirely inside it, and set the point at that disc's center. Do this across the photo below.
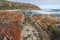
(47, 27)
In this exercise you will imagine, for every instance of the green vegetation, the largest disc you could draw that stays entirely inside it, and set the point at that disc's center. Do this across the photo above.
(57, 32)
(27, 19)
(3, 0)
(53, 27)
(8, 7)
(16, 5)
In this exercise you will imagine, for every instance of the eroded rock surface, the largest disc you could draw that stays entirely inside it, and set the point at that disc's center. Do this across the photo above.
(15, 24)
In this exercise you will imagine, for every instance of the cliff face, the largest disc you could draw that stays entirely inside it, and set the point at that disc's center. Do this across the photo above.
(16, 5)
(47, 27)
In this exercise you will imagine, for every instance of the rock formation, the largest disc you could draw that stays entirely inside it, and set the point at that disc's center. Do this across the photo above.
(12, 22)
(15, 5)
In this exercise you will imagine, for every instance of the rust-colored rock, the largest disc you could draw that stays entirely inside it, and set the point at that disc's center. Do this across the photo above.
(9, 27)
(11, 31)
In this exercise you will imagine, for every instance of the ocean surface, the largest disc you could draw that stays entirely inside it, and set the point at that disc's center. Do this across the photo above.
(54, 12)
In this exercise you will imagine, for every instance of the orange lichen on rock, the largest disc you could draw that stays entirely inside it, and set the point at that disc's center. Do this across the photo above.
(12, 29)
(21, 16)
(45, 20)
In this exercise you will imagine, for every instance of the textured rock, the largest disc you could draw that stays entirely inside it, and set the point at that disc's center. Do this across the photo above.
(9, 27)
(48, 27)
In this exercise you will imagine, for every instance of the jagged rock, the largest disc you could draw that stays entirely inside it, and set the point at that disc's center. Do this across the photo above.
(11, 22)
